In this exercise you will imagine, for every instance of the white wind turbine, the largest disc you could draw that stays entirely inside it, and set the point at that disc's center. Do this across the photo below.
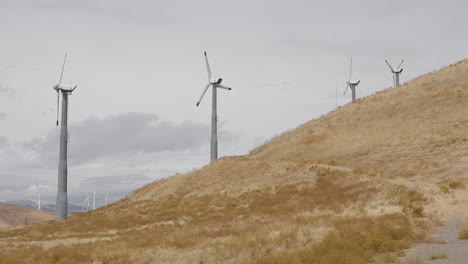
(351, 83)
(86, 201)
(215, 83)
(396, 73)
(62, 195)
(38, 203)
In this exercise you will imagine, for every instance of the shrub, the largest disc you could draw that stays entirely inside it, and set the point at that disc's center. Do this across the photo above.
(463, 234)
(456, 185)
(438, 256)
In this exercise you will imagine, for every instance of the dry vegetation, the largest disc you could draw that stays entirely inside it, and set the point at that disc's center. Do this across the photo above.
(438, 256)
(463, 234)
(11, 215)
(354, 186)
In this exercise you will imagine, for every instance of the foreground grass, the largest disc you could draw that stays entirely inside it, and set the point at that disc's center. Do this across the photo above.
(356, 240)
(296, 223)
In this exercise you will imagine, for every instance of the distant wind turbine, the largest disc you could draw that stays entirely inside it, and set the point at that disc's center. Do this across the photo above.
(215, 83)
(352, 84)
(396, 73)
(86, 201)
(38, 203)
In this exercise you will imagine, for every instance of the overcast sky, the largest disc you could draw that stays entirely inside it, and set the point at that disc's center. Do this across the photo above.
(139, 68)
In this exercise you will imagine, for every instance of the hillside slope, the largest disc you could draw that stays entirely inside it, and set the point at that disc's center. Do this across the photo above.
(419, 128)
(13, 215)
(358, 184)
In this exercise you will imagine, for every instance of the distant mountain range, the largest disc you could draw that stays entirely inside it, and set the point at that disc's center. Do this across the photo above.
(31, 204)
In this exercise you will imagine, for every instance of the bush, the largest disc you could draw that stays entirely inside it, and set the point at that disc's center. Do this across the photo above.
(463, 234)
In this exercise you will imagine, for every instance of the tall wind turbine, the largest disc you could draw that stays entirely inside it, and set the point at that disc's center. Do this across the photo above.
(215, 83)
(396, 73)
(38, 203)
(351, 83)
(62, 199)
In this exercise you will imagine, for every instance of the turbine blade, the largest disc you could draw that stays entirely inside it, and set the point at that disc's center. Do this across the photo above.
(346, 89)
(223, 87)
(400, 64)
(208, 67)
(390, 66)
(204, 91)
(63, 68)
(350, 68)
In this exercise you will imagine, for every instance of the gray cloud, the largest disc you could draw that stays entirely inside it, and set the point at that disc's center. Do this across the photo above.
(15, 182)
(6, 90)
(3, 141)
(123, 134)
(115, 182)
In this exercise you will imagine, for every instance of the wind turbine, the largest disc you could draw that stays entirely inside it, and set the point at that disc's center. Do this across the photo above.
(215, 83)
(351, 83)
(86, 201)
(38, 203)
(62, 199)
(396, 73)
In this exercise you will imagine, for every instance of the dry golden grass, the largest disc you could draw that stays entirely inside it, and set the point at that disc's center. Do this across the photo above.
(356, 184)
(14, 215)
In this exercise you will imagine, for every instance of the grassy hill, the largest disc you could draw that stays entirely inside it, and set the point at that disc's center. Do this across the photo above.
(357, 185)
(14, 215)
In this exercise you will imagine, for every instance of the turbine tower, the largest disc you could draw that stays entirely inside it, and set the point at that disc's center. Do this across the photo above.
(351, 83)
(62, 199)
(396, 73)
(38, 203)
(94, 199)
(215, 83)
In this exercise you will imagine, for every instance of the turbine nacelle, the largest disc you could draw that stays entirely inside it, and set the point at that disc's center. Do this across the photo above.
(216, 80)
(397, 69)
(353, 82)
(64, 88)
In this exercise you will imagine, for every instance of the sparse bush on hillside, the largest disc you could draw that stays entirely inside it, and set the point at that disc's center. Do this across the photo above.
(446, 185)
(463, 234)
(438, 256)
(456, 185)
